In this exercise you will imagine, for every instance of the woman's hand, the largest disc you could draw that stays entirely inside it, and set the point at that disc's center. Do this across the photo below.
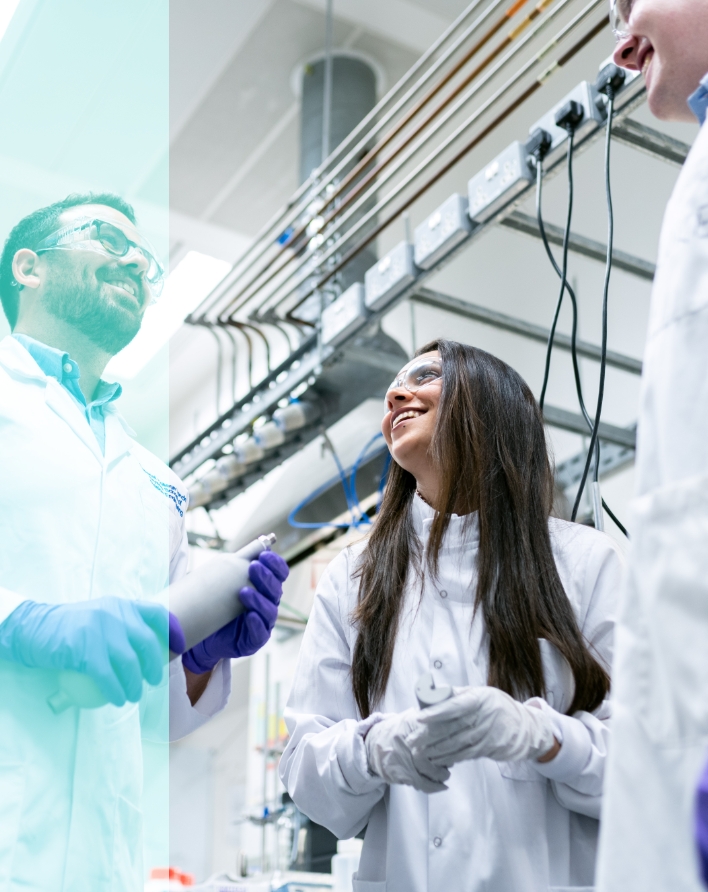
(391, 758)
(483, 722)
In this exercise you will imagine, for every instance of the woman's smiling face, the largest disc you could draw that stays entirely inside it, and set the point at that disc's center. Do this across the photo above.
(410, 417)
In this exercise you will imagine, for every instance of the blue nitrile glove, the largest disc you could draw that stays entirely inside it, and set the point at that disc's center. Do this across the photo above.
(114, 641)
(247, 633)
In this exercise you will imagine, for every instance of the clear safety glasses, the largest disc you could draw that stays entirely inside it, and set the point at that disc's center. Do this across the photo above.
(417, 375)
(93, 234)
(620, 11)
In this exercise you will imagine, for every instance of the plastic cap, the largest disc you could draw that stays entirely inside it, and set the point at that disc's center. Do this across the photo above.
(268, 541)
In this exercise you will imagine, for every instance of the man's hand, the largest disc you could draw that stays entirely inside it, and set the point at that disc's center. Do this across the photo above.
(114, 641)
(247, 633)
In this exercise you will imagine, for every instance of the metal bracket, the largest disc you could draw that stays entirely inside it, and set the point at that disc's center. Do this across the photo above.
(650, 141)
(579, 244)
(574, 422)
(520, 327)
(612, 458)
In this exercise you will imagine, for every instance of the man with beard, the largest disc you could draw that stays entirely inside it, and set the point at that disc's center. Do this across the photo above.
(91, 529)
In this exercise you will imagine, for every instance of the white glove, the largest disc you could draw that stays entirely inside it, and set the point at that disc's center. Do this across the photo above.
(481, 722)
(391, 758)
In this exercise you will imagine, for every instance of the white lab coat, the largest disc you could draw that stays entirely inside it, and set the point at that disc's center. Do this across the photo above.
(501, 827)
(77, 525)
(661, 668)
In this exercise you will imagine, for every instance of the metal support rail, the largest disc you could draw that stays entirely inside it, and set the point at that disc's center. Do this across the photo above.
(650, 141)
(576, 424)
(579, 244)
(613, 458)
(521, 327)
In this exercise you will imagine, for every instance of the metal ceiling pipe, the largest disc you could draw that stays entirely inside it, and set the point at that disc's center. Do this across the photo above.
(353, 95)
(338, 92)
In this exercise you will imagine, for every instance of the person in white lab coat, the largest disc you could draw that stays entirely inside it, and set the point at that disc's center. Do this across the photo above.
(466, 576)
(661, 669)
(92, 526)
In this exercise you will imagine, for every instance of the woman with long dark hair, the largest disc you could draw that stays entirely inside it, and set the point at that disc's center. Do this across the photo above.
(465, 576)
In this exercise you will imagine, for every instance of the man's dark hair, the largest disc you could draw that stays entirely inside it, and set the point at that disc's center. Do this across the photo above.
(38, 225)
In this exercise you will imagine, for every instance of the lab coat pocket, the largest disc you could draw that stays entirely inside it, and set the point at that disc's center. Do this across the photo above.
(368, 885)
(12, 792)
(663, 635)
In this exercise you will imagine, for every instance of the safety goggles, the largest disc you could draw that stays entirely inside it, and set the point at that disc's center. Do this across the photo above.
(418, 375)
(620, 10)
(110, 239)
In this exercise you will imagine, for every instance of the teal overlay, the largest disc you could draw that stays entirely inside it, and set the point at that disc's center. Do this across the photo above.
(84, 101)
(62, 367)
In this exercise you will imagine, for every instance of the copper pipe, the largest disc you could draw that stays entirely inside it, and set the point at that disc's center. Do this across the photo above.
(536, 85)
(244, 325)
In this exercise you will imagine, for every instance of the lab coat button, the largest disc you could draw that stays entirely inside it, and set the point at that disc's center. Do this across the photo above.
(437, 842)
(437, 664)
(67, 367)
(443, 594)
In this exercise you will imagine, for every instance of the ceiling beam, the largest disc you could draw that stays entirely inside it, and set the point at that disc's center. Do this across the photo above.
(522, 327)
(652, 142)
(580, 244)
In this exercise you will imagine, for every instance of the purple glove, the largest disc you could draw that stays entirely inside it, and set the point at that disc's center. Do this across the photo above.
(247, 633)
(177, 643)
(701, 818)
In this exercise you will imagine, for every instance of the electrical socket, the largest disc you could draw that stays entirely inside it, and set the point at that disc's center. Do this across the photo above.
(344, 316)
(584, 95)
(499, 183)
(442, 231)
(386, 279)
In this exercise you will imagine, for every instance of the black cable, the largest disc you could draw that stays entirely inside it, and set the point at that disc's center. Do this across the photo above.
(565, 285)
(564, 271)
(606, 288)
(617, 523)
(574, 331)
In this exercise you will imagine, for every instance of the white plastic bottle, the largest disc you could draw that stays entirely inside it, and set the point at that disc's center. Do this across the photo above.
(345, 864)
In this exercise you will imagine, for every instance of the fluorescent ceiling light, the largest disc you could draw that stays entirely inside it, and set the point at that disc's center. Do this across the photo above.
(194, 277)
(7, 10)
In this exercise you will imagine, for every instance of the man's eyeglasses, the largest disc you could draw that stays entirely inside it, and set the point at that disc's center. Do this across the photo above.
(93, 234)
(620, 10)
